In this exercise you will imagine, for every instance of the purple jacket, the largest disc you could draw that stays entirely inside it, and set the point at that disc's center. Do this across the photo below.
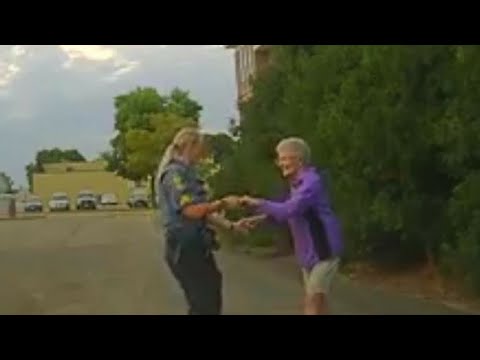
(315, 229)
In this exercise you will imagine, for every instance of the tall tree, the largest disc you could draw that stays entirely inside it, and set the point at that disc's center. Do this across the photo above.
(137, 117)
(145, 148)
(180, 103)
(220, 145)
(133, 108)
(132, 111)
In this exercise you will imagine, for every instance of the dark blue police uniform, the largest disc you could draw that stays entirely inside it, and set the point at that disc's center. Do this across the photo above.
(189, 243)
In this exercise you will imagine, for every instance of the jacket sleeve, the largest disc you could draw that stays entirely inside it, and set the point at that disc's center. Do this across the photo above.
(301, 198)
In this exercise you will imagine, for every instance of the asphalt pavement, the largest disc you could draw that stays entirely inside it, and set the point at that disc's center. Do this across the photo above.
(112, 263)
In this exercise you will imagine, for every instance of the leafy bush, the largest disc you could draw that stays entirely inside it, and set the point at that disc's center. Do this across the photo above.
(462, 258)
(396, 128)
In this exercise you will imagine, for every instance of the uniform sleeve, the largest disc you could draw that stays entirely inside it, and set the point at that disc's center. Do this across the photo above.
(300, 199)
(179, 189)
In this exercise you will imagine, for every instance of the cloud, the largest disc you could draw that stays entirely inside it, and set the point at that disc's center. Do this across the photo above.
(99, 53)
(43, 104)
(10, 65)
(7, 73)
(89, 52)
(122, 67)
(18, 50)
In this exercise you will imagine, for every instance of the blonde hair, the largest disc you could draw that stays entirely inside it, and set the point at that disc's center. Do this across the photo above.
(184, 138)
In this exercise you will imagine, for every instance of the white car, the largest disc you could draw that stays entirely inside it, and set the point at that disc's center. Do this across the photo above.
(108, 199)
(59, 202)
(86, 200)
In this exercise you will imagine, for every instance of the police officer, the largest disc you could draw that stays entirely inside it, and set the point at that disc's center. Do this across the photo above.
(186, 213)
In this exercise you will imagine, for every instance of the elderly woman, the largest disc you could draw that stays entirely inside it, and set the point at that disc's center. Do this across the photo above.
(315, 228)
(187, 213)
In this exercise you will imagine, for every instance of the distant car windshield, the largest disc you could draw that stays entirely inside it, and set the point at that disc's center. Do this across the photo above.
(139, 192)
(138, 196)
(60, 197)
(85, 194)
(109, 196)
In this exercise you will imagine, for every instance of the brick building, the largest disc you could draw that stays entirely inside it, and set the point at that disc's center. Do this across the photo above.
(250, 60)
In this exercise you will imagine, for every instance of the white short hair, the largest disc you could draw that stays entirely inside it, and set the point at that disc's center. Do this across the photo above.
(297, 146)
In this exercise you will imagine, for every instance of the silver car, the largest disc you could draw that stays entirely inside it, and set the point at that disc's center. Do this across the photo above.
(33, 204)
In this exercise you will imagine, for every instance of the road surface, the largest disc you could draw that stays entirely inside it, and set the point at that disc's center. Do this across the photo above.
(112, 264)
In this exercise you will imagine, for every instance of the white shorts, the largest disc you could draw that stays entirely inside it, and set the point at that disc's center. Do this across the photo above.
(319, 279)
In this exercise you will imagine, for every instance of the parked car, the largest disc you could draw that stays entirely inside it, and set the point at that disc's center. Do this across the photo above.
(86, 200)
(138, 199)
(33, 204)
(108, 199)
(59, 202)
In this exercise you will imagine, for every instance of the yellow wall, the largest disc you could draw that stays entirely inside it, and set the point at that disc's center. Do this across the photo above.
(74, 166)
(44, 185)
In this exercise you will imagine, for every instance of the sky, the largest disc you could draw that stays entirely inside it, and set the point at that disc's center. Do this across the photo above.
(62, 95)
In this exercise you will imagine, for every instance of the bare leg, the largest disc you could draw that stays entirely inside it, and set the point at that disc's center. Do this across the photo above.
(316, 304)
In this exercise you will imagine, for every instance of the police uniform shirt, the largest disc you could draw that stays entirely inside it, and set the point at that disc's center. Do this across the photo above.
(180, 186)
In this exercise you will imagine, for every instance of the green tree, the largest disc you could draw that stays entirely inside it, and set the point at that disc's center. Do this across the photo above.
(132, 111)
(7, 182)
(145, 148)
(55, 155)
(455, 133)
(137, 116)
(394, 127)
(221, 146)
(180, 103)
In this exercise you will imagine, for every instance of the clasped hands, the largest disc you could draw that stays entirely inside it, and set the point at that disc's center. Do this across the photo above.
(246, 224)
(234, 202)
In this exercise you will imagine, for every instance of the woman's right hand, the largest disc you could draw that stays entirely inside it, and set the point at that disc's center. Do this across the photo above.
(216, 206)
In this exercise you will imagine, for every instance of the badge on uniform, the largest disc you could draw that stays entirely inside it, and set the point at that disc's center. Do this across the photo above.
(178, 182)
(185, 199)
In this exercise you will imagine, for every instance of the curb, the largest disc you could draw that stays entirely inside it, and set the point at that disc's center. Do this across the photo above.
(20, 218)
(74, 214)
(98, 213)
